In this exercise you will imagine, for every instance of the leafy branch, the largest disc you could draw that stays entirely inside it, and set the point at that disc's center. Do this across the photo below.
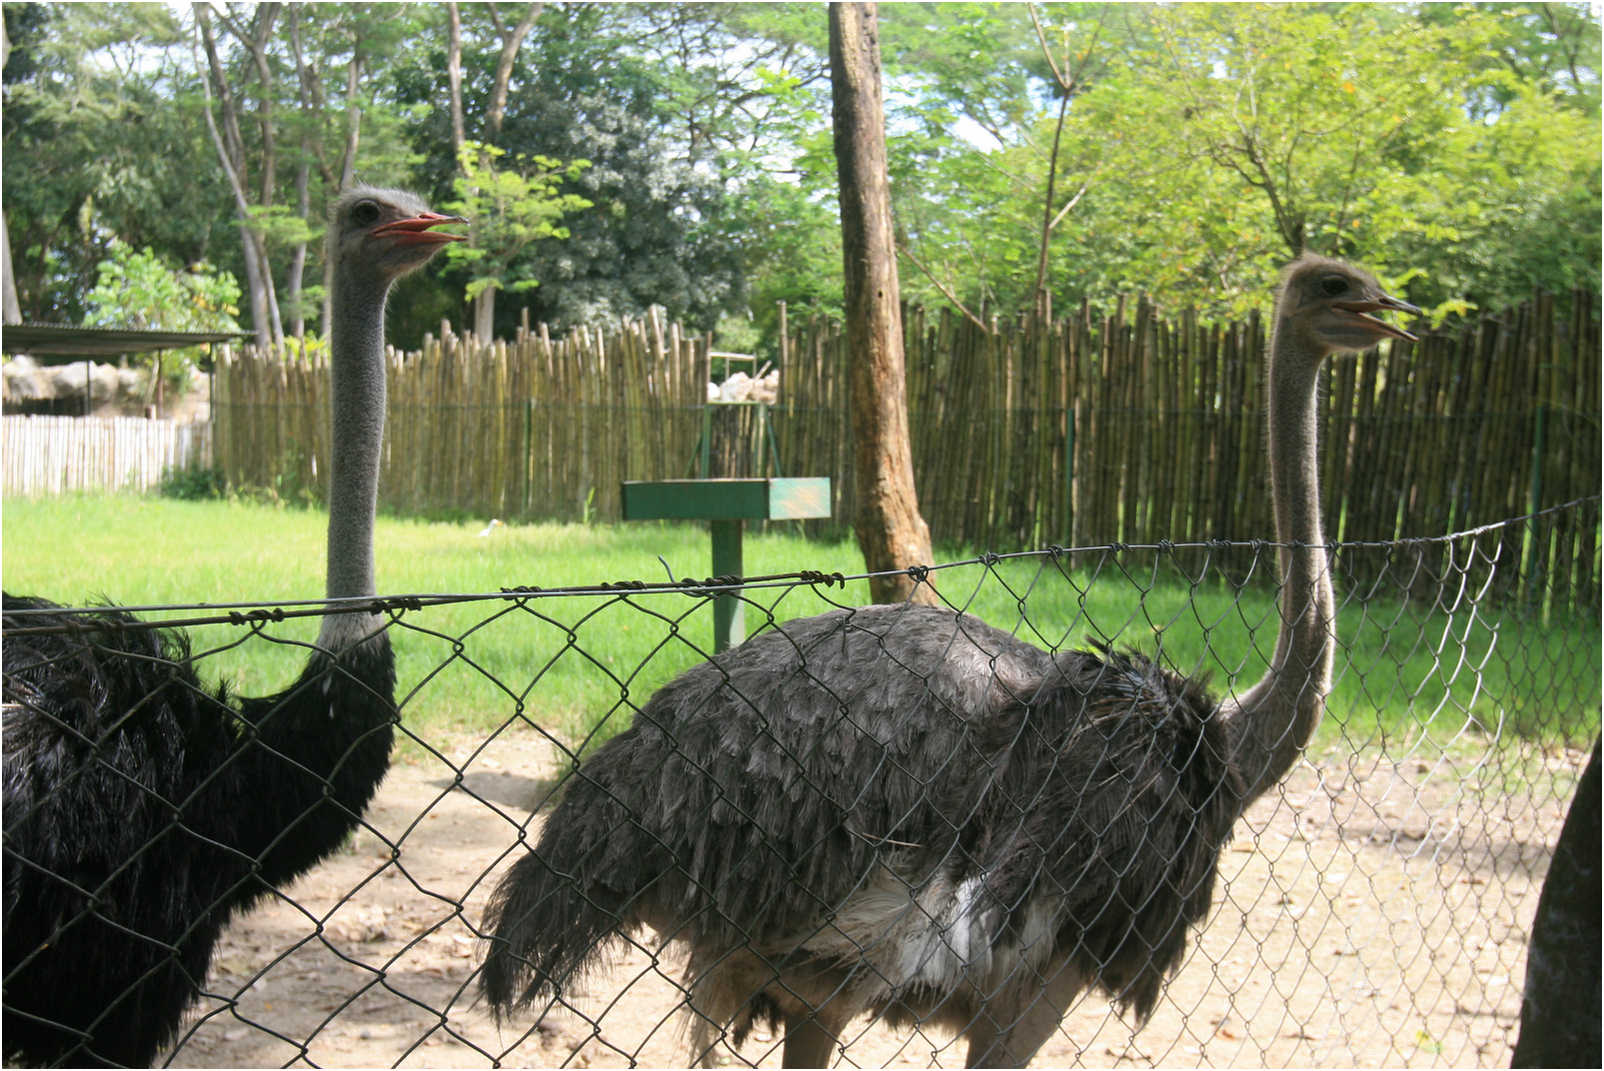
(508, 209)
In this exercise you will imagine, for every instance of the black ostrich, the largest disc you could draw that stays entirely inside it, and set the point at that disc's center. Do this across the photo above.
(1559, 1008)
(142, 812)
(902, 810)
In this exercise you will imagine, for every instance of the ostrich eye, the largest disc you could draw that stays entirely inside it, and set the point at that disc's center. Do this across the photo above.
(365, 214)
(1334, 285)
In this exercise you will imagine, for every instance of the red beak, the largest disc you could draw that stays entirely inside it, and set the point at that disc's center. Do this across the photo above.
(415, 231)
(1362, 309)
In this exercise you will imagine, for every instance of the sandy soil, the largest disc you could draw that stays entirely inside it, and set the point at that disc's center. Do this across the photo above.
(1370, 914)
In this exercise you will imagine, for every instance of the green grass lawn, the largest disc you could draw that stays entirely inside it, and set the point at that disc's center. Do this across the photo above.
(574, 664)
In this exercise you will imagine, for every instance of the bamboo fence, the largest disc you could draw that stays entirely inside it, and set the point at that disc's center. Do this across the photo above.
(1096, 428)
(1126, 427)
(532, 428)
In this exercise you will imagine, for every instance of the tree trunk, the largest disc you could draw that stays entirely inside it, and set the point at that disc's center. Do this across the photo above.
(1068, 81)
(294, 279)
(353, 137)
(254, 38)
(511, 41)
(13, 307)
(484, 314)
(231, 155)
(454, 79)
(305, 96)
(890, 530)
(1043, 302)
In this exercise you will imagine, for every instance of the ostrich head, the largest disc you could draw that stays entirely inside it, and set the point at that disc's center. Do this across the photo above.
(383, 234)
(1327, 307)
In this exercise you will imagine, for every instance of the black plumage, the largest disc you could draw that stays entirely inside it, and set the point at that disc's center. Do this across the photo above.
(1559, 1007)
(142, 812)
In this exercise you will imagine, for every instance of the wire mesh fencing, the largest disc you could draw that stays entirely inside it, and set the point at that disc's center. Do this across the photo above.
(1371, 908)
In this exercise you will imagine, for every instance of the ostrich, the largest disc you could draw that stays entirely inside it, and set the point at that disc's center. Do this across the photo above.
(141, 811)
(902, 810)
(1559, 1025)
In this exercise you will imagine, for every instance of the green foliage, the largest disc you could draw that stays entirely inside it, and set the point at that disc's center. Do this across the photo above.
(737, 334)
(794, 251)
(1454, 147)
(507, 210)
(100, 141)
(596, 82)
(1289, 129)
(192, 484)
(280, 225)
(135, 289)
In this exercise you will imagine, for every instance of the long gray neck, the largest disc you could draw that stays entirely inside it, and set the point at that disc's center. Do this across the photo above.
(1272, 721)
(356, 366)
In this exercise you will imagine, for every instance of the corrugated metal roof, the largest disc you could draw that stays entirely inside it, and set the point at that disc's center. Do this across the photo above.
(59, 343)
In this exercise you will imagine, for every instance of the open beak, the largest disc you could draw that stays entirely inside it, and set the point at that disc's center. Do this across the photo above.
(415, 231)
(1363, 309)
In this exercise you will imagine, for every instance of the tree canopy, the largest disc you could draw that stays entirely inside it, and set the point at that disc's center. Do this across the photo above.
(1042, 153)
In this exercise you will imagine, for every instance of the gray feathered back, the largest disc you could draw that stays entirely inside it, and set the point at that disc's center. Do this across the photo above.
(762, 789)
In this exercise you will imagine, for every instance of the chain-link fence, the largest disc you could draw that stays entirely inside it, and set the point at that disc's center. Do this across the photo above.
(1371, 908)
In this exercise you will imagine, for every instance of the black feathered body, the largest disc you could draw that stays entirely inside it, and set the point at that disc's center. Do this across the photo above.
(142, 812)
(1559, 1024)
(896, 808)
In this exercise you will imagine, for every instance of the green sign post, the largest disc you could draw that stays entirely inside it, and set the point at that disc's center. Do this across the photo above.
(726, 504)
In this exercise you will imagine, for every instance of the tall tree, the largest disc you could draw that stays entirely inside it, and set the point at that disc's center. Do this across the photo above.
(294, 93)
(101, 133)
(1068, 79)
(454, 79)
(890, 530)
(659, 232)
(12, 308)
(510, 39)
(1293, 127)
(234, 157)
(1454, 144)
(507, 209)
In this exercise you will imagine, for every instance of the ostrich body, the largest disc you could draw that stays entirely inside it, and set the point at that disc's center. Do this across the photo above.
(902, 810)
(142, 812)
(1559, 1026)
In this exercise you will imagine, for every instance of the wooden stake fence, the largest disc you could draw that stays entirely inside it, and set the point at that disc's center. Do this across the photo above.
(51, 455)
(1124, 427)
(532, 428)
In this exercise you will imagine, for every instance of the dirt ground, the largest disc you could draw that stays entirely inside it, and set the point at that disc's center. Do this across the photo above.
(1372, 914)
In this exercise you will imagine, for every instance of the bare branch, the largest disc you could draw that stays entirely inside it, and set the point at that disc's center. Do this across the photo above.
(510, 43)
(946, 291)
(1047, 52)
(1069, 206)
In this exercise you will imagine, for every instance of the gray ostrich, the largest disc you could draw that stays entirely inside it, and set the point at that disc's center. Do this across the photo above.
(142, 812)
(905, 811)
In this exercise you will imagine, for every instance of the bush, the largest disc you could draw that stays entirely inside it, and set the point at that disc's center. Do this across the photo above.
(191, 483)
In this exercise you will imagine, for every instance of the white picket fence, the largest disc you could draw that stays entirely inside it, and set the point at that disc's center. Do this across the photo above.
(48, 455)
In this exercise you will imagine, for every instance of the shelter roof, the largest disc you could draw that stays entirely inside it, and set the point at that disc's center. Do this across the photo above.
(62, 343)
